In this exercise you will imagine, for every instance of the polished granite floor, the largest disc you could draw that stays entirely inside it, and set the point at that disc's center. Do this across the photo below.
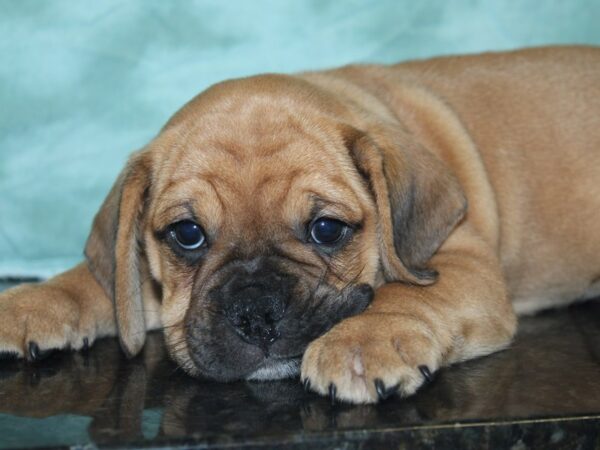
(543, 392)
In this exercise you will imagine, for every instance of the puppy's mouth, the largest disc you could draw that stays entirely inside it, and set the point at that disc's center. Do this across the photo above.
(276, 369)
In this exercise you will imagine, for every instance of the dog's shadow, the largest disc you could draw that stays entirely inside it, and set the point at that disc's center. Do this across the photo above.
(552, 368)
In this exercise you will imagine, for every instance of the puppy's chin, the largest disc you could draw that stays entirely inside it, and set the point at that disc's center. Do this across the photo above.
(276, 369)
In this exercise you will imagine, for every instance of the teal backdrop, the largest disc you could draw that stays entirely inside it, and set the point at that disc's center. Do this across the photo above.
(83, 83)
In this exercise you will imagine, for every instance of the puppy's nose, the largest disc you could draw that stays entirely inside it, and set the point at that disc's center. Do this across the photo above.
(254, 316)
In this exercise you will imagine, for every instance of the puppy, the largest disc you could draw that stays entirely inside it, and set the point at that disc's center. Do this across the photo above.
(363, 226)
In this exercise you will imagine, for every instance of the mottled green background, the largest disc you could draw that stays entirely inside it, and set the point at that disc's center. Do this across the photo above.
(83, 83)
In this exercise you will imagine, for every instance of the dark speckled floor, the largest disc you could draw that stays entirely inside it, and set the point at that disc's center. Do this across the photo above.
(544, 392)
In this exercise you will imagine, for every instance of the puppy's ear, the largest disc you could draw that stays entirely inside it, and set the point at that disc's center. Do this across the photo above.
(113, 251)
(419, 201)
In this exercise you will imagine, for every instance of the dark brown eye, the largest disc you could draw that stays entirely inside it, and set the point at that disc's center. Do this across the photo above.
(187, 234)
(326, 231)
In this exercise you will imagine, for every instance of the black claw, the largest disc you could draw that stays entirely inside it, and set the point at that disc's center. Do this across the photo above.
(426, 373)
(380, 388)
(34, 351)
(35, 354)
(306, 384)
(384, 393)
(86, 345)
(332, 393)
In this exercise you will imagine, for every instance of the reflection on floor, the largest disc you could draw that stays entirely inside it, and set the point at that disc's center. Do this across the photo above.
(551, 373)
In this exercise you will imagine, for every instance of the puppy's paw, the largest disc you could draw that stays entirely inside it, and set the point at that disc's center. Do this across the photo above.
(36, 320)
(371, 357)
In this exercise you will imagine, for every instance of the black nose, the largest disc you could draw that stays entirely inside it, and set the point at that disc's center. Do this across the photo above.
(254, 315)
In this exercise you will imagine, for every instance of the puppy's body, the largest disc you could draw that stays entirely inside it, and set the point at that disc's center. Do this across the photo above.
(533, 119)
(383, 159)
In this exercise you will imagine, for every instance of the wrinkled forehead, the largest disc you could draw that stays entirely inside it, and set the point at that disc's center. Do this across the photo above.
(253, 163)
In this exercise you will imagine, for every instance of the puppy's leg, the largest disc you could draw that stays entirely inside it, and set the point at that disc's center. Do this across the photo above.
(409, 331)
(68, 311)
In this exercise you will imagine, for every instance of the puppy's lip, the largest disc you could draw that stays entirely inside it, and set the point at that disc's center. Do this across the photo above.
(276, 368)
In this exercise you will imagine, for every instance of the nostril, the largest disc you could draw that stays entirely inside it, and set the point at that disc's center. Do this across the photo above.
(245, 326)
(254, 324)
(274, 308)
(273, 335)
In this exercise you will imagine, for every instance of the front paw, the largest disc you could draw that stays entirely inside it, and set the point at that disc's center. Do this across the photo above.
(37, 319)
(371, 357)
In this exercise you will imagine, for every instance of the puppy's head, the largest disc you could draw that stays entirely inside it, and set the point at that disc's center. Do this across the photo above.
(266, 213)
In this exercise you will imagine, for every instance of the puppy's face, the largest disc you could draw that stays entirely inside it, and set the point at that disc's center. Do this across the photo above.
(260, 230)
(267, 210)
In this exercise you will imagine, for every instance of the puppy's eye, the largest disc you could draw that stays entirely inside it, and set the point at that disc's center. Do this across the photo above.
(187, 234)
(327, 231)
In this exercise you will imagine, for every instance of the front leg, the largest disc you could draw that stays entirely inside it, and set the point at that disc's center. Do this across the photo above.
(69, 311)
(409, 331)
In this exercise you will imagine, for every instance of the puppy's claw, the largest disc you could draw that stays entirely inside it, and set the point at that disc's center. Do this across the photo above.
(426, 373)
(35, 354)
(380, 388)
(306, 384)
(332, 393)
(33, 350)
(384, 393)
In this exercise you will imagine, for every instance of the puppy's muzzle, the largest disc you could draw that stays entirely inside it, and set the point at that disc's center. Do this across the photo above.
(254, 305)
(258, 318)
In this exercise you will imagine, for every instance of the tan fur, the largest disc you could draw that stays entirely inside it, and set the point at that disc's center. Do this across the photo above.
(400, 149)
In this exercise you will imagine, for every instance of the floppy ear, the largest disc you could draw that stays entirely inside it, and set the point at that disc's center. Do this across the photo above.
(419, 201)
(113, 251)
